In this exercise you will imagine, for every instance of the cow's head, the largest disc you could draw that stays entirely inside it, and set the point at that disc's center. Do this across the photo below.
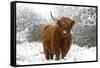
(64, 23)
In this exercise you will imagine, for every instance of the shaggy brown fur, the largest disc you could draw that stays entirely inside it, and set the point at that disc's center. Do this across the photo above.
(57, 39)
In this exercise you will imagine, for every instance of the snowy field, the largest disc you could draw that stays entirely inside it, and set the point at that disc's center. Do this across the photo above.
(32, 53)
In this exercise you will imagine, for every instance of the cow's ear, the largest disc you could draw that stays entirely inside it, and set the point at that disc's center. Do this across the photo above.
(72, 23)
(58, 22)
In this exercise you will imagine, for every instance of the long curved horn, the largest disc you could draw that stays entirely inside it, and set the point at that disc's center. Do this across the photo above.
(52, 16)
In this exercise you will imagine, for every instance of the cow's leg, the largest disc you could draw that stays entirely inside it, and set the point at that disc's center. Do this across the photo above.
(65, 49)
(57, 53)
(46, 51)
(64, 52)
(46, 54)
(51, 55)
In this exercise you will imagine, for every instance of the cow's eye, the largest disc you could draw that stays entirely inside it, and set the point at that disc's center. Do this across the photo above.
(66, 25)
(63, 23)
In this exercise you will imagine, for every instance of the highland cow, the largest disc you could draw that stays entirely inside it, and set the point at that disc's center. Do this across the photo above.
(57, 39)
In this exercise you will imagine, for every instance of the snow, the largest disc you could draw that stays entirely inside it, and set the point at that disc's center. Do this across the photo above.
(32, 53)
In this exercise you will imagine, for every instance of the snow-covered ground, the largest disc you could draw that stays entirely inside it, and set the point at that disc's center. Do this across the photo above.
(32, 53)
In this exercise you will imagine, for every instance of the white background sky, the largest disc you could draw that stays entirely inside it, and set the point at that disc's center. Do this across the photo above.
(5, 34)
(37, 8)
